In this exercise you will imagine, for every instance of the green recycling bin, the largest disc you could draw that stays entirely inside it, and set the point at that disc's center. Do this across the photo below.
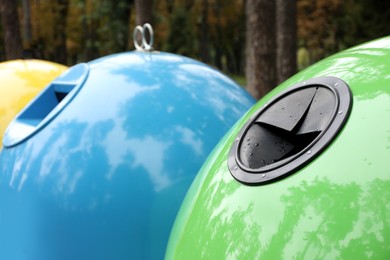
(305, 174)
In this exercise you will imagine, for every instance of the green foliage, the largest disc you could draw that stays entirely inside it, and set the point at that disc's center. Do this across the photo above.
(303, 58)
(364, 20)
(329, 26)
(239, 79)
(181, 35)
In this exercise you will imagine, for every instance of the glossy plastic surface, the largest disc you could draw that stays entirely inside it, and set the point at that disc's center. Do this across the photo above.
(336, 207)
(21, 81)
(46, 105)
(105, 177)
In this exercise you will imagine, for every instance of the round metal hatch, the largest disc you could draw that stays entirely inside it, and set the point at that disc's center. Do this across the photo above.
(290, 130)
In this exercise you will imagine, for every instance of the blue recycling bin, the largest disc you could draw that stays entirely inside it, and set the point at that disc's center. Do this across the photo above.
(97, 165)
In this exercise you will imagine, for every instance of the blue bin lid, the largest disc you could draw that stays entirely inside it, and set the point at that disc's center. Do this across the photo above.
(46, 105)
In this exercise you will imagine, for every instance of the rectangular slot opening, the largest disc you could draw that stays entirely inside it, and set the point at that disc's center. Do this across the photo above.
(61, 90)
(45, 103)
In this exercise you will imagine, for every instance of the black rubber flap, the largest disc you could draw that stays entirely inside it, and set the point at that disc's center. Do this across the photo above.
(288, 111)
(290, 131)
(263, 146)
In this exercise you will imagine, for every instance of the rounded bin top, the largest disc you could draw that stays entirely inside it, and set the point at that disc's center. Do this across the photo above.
(115, 143)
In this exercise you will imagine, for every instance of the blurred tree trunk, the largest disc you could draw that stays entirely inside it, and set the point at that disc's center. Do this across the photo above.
(11, 31)
(27, 36)
(286, 30)
(61, 13)
(204, 33)
(218, 39)
(143, 11)
(120, 22)
(260, 47)
(238, 42)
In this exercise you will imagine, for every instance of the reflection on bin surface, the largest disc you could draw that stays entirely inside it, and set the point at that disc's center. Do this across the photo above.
(335, 204)
(97, 165)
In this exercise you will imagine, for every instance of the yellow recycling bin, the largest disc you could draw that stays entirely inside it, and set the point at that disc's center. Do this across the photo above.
(21, 80)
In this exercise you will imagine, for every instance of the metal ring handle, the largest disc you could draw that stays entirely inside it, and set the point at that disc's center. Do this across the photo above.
(138, 30)
(147, 46)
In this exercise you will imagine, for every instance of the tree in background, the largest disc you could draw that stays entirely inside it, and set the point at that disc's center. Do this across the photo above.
(61, 13)
(98, 28)
(227, 34)
(317, 25)
(120, 18)
(143, 11)
(362, 20)
(218, 34)
(49, 34)
(27, 30)
(235, 30)
(329, 26)
(114, 28)
(209, 30)
(11, 31)
(260, 47)
(286, 38)
(181, 33)
(204, 45)
(90, 13)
